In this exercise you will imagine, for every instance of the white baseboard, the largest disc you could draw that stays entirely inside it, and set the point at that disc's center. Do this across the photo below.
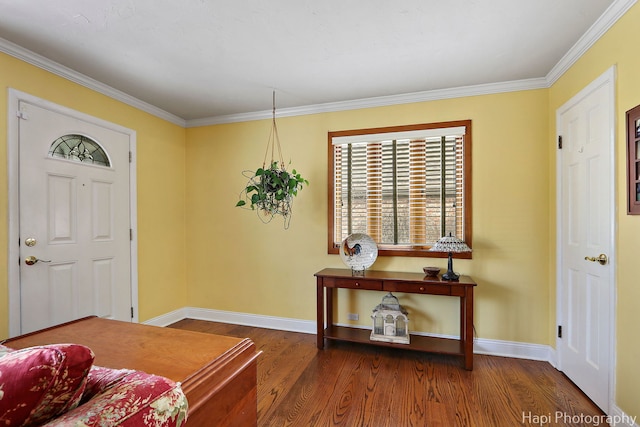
(617, 418)
(168, 318)
(512, 349)
(259, 321)
(480, 346)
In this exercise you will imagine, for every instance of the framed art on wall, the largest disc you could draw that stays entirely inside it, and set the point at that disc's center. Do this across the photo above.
(633, 161)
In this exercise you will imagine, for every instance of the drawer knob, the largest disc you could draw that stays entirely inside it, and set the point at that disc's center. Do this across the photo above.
(357, 284)
(422, 288)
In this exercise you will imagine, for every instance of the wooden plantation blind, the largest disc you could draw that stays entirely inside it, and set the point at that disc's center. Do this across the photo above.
(404, 189)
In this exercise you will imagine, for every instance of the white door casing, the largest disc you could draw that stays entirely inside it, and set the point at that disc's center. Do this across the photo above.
(80, 216)
(586, 229)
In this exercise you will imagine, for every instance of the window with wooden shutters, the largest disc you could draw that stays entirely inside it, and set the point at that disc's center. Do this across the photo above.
(404, 186)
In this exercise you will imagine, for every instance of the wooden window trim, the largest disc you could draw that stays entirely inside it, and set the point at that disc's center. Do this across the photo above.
(406, 250)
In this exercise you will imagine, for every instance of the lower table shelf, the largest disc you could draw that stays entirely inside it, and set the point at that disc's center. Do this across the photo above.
(418, 342)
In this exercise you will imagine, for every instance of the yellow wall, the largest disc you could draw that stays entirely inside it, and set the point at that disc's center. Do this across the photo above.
(160, 176)
(616, 48)
(238, 264)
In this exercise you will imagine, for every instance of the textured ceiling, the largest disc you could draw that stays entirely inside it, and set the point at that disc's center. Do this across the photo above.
(206, 58)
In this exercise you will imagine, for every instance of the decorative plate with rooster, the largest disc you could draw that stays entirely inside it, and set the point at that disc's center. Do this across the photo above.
(358, 251)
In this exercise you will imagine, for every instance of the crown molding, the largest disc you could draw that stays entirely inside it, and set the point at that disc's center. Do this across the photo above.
(610, 16)
(381, 101)
(53, 67)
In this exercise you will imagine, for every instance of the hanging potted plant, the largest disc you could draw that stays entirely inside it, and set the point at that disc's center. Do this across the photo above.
(271, 189)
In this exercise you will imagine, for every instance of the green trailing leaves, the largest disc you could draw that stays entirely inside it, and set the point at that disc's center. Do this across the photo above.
(271, 190)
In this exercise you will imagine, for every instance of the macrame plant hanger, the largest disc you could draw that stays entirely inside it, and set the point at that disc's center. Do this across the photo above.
(273, 142)
(271, 188)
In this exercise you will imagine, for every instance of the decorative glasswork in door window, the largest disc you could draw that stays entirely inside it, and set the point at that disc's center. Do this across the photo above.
(79, 148)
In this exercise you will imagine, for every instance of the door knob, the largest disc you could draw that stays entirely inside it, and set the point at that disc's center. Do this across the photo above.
(602, 259)
(30, 260)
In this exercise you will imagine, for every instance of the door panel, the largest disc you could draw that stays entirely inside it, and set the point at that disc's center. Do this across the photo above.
(62, 288)
(78, 215)
(586, 218)
(103, 282)
(102, 211)
(593, 354)
(60, 209)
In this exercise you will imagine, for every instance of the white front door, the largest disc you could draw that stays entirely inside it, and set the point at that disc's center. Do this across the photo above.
(73, 219)
(586, 230)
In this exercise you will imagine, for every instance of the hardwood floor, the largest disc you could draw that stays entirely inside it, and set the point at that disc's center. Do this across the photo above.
(358, 385)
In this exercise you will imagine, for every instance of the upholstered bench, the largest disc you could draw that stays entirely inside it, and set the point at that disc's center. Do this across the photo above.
(57, 385)
(217, 374)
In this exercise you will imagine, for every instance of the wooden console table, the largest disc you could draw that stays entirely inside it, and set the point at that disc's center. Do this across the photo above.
(416, 283)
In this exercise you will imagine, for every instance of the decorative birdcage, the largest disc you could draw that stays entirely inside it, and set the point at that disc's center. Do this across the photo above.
(390, 321)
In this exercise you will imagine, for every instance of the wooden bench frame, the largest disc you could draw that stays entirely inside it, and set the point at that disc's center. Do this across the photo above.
(218, 373)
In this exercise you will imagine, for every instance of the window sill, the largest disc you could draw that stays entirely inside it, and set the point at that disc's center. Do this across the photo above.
(406, 251)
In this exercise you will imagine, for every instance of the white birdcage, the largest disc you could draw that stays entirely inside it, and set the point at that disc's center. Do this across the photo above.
(390, 321)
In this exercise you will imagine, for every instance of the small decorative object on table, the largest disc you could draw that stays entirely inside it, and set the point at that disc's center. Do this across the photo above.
(358, 251)
(390, 321)
(450, 244)
(431, 271)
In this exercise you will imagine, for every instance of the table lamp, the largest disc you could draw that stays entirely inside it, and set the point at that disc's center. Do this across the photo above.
(450, 244)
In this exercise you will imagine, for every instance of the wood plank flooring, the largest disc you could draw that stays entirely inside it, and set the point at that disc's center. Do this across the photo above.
(358, 385)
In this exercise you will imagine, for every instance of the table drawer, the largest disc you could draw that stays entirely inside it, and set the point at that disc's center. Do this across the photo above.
(417, 288)
(359, 283)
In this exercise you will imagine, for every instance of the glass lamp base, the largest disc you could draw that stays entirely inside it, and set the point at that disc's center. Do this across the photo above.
(450, 275)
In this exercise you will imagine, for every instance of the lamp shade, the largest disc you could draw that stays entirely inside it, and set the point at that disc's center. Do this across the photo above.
(450, 244)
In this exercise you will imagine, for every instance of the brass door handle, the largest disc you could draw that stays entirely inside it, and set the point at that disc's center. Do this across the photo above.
(30, 260)
(602, 259)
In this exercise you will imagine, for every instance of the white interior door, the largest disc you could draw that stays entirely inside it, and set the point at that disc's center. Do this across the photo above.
(74, 220)
(586, 230)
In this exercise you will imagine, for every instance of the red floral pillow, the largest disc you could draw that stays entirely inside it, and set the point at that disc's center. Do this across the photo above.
(101, 379)
(4, 350)
(40, 383)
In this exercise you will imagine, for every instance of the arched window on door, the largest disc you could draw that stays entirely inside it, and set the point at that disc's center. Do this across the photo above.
(79, 148)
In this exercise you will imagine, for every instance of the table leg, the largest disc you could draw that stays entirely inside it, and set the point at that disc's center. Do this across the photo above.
(466, 327)
(329, 302)
(320, 314)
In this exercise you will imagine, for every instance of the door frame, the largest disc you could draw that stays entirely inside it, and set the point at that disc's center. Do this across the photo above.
(13, 163)
(608, 78)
